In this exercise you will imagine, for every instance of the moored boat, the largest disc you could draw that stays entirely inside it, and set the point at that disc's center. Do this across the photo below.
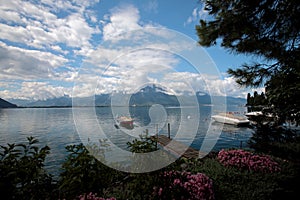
(260, 117)
(126, 122)
(254, 114)
(230, 118)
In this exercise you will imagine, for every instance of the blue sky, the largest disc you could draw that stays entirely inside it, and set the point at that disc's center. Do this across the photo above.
(50, 47)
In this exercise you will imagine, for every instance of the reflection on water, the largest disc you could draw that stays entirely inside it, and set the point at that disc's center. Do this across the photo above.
(55, 127)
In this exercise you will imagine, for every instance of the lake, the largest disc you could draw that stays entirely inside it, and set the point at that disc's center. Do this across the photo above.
(59, 127)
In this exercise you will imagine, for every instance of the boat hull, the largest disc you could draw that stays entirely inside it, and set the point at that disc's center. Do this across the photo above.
(125, 122)
(230, 120)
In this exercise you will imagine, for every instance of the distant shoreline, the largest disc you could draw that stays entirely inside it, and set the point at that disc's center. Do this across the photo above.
(105, 106)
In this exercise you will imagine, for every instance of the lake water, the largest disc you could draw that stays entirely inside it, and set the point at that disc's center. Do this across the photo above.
(59, 127)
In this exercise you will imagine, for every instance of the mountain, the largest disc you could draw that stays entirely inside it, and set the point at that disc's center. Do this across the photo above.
(236, 101)
(146, 96)
(6, 104)
(153, 95)
(64, 101)
(203, 98)
(103, 100)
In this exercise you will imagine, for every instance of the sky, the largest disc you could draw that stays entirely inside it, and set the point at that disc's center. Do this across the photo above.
(78, 48)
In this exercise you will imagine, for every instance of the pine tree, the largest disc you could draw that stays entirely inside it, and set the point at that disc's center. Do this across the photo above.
(268, 29)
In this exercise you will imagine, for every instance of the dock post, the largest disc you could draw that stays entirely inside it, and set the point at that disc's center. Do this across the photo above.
(156, 136)
(169, 131)
(147, 132)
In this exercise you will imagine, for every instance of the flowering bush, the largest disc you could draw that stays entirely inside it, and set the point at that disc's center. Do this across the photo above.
(248, 161)
(92, 196)
(184, 185)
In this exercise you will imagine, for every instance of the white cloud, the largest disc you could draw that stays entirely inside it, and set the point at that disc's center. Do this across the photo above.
(182, 82)
(73, 5)
(58, 49)
(28, 65)
(137, 68)
(33, 90)
(144, 60)
(15, 33)
(74, 31)
(197, 14)
(37, 38)
(18, 63)
(39, 26)
(124, 68)
(10, 16)
(44, 40)
(121, 20)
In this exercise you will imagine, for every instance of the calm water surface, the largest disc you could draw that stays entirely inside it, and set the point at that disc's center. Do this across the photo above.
(56, 128)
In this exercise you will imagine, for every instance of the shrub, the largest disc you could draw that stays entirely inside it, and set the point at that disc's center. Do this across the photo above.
(22, 174)
(92, 196)
(248, 161)
(265, 136)
(234, 183)
(144, 145)
(184, 185)
(83, 173)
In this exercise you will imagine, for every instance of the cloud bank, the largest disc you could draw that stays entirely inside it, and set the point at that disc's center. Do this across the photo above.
(46, 45)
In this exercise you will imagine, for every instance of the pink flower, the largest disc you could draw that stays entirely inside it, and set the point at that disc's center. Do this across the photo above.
(184, 185)
(92, 196)
(160, 191)
(176, 181)
(247, 160)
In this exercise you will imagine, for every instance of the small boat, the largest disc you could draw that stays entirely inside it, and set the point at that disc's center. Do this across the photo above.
(231, 118)
(259, 116)
(254, 114)
(126, 122)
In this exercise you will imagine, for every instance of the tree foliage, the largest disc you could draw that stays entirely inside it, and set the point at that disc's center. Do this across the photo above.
(268, 29)
(257, 100)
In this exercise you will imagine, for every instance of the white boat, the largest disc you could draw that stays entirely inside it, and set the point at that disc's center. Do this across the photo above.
(259, 116)
(254, 114)
(230, 118)
(126, 122)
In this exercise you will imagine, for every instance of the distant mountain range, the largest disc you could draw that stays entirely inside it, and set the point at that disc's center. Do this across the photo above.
(147, 96)
(6, 104)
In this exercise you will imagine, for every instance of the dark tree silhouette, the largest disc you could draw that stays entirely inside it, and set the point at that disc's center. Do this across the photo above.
(268, 29)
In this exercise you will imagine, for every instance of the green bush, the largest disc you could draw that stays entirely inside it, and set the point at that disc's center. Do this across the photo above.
(134, 186)
(183, 185)
(83, 173)
(143, 145)
(22, 174)
(266, 138)
(233, 183)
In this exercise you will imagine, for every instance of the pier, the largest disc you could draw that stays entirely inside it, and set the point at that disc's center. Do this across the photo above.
(177, 148)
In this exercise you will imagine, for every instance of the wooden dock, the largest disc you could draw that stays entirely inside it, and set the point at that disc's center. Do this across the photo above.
(177, 148)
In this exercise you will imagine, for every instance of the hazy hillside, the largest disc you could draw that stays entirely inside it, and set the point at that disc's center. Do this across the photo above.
(6, 104)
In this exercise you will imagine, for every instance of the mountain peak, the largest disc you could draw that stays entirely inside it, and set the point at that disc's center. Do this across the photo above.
(153, 88)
